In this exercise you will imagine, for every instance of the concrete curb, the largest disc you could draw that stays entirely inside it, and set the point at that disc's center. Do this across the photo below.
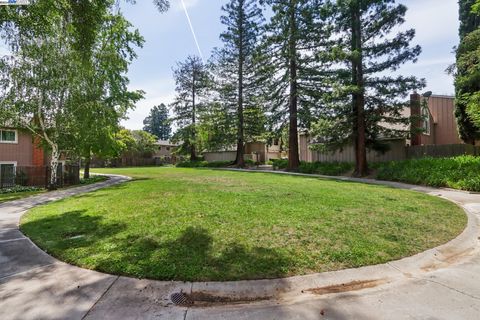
(451, 253)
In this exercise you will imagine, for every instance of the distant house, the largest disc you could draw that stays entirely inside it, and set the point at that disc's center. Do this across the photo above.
(165, 152)
(436, 118)
(433, 132)
(260, 152)
(20, 148)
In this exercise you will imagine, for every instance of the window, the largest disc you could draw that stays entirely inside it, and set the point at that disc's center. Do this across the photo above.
(168, 148)
(8, 136)
(7, 173)
(275, 142)
(160, 148)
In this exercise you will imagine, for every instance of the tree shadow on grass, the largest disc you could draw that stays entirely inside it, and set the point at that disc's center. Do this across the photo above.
(192, 257)
(70, 230)
(89, 241)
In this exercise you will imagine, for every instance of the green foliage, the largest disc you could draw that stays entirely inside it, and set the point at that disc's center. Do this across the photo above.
(469, 19)
(459, 172)
(19, 189)
(157, 122)
(93, 179)
(100, 97)
(467, 83)
(325, 168)
(193, 83)
(364, 94)
(236, 73)
(204, 164)
(136, 143)
(280, 164)
(292, 70)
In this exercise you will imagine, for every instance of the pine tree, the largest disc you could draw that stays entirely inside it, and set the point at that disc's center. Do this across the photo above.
(157, 122)
(363, 99)
(235, 67)
(290, 68)
(465, 85)
(192, 86)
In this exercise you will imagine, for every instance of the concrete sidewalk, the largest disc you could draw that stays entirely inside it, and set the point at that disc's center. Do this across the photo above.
(442, 283)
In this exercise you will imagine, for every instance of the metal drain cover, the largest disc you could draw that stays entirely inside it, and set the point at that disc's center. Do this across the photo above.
(181, 299)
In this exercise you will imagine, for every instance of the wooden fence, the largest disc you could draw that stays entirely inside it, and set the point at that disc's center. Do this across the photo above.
(347, 154)
(398, 151)
(441, 151)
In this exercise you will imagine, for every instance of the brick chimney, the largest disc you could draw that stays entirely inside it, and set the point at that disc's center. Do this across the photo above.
(38, 154)
(416, 119)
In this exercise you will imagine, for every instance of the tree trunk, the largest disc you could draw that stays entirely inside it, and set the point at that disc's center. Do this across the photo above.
(53, 167)
(86, 171)
(240, 161)
(293, 156)
(358, 97)
(193, 154)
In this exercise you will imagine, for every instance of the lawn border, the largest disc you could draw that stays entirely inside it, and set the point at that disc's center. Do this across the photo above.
(454, 252)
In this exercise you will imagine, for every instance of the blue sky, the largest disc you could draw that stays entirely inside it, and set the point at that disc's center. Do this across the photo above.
(168, 40)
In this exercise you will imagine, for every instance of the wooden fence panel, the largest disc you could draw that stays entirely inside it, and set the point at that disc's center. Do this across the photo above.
(347, 154)
(442, 151)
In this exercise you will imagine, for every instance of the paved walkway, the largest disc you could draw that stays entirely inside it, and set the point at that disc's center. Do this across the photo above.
(442, 283)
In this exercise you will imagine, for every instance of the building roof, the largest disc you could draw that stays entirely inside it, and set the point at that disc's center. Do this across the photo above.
(166, 143)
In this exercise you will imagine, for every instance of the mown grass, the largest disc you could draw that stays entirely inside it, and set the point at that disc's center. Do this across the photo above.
(202, 224)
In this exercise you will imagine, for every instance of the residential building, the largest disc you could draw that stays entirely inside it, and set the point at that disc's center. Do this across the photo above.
(260, 152)
(20, 148)
(435, 117)
(165, 152)
(433, 132)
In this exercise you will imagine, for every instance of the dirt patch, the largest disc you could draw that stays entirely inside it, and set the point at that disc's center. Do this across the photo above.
(450, 258)
(347, 287)
(202, 299)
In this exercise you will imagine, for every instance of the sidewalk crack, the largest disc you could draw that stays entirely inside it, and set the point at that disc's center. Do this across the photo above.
(453, 289)
(103, 294)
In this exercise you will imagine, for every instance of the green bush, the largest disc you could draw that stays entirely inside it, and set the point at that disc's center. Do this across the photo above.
(218, 164)
(204, 164)
(279, 164)
(459, 172)
(93, 179)
(325, 168)
(18, 189)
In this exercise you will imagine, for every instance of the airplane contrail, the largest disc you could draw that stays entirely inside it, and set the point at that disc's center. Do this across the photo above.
(193, 31)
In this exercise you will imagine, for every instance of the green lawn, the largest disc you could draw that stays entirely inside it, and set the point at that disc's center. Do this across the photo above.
(202, 224)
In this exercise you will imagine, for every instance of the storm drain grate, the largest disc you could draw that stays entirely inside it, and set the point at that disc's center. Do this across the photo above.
(181, 299)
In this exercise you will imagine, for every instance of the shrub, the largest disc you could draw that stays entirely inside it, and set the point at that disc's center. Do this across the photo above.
(458, 172)
(279, 164)
(93, 179)
(18, 189)
(325, 168)
(203, 164)
(218, 164)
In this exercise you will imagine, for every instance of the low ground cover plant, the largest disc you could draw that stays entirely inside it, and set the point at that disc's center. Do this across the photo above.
(93, 179)
(325, 168)
(461, 172)
(19, 189)
(213, 164)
